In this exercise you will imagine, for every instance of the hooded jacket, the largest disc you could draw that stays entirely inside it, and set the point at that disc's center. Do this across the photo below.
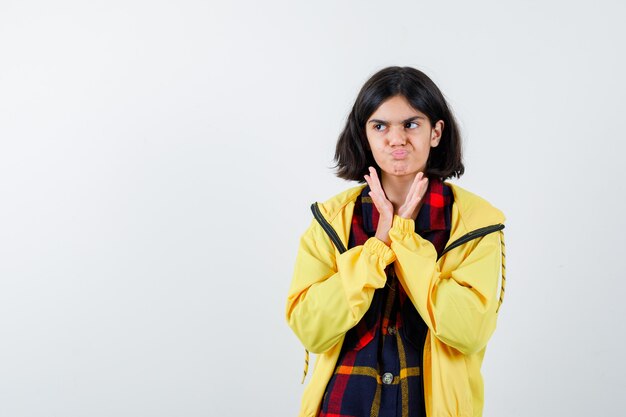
(455, 294)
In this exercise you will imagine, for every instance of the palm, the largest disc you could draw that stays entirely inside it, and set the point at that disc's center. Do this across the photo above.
(414, 197)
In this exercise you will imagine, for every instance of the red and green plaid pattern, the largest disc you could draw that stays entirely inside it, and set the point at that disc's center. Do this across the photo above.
(378, 372)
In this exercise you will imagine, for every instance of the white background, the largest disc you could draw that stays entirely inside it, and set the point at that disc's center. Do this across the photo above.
(158, 160)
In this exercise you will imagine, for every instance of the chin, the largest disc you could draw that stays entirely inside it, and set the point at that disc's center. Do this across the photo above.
(400, 170)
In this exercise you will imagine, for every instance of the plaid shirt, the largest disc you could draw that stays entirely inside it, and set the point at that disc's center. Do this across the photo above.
(378, 372)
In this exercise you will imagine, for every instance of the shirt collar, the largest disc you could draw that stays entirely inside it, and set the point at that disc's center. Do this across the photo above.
(433, 215)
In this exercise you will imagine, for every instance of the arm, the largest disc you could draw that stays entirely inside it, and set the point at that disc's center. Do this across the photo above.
(329, 294)
(459, 307)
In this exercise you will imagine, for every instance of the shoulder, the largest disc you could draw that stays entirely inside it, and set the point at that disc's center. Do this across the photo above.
(473, 209)
(337, 203)
(336, 210)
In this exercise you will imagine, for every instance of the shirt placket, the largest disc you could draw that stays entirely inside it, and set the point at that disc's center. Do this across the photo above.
(389, 363)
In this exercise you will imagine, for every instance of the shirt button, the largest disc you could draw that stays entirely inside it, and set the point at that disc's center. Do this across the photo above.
(387, 378)
(391, 330)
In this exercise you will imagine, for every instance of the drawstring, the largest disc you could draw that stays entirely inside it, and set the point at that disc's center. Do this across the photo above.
(306, 364)
(503, 285)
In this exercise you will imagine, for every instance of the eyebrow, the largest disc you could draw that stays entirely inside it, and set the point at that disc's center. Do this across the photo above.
(404, 121)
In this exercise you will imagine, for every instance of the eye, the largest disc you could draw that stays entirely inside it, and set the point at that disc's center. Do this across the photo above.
(410, 125)
(379, 127)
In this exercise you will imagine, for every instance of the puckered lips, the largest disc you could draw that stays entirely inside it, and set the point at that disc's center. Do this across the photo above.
(399, 154)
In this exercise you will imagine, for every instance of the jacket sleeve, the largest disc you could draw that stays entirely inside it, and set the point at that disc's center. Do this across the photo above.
(330, 293)
(459, 306)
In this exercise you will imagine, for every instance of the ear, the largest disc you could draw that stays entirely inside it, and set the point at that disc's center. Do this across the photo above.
(435, 133)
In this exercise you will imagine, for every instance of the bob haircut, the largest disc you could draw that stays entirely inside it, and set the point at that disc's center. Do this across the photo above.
(353, 155)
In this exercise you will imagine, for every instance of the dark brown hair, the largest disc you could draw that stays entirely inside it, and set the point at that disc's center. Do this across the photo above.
(353, 156)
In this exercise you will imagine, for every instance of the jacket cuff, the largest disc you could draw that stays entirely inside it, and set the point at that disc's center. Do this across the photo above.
(378, 247)
(402, 226)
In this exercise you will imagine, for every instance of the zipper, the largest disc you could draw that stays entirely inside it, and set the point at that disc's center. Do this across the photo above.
(327, 228)
(472, 235)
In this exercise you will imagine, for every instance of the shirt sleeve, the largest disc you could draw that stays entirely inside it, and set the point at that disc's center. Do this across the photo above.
(458, 306)
(329, 294)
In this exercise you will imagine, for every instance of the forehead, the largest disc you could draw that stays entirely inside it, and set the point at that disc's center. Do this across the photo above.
(395, 109)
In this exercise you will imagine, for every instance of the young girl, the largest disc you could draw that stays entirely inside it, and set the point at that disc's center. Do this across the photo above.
(397, 282)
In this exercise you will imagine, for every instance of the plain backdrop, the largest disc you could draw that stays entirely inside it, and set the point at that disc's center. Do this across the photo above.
(158, 160)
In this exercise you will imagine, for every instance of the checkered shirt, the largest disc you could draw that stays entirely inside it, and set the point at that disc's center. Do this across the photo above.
(379, 370)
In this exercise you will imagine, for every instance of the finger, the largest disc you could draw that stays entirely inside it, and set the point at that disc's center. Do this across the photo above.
(423, 188)
(415, 195)
(380, 200)
(372, 184)
(377, 194)
(372, 175)
(414, 189)
(378, 203)
(420, 190)
(375, 180)
(415, 184)
(373, 189)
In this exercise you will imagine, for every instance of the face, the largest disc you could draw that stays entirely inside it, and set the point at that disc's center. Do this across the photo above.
(400, 137)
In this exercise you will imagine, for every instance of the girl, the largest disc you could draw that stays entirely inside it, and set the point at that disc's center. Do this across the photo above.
(396, 280)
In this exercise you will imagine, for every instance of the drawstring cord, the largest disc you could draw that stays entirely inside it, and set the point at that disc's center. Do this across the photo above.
(306, 364)
(503, 284)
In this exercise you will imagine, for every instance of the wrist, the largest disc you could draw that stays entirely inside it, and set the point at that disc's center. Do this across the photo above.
(383, 237)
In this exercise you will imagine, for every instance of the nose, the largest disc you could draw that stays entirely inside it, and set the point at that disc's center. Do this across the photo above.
(397, 136)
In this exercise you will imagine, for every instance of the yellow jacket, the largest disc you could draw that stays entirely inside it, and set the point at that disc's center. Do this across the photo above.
(456, 295)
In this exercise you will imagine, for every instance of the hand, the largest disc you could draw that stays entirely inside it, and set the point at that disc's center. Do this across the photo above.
(414, 197)
(383, 205)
